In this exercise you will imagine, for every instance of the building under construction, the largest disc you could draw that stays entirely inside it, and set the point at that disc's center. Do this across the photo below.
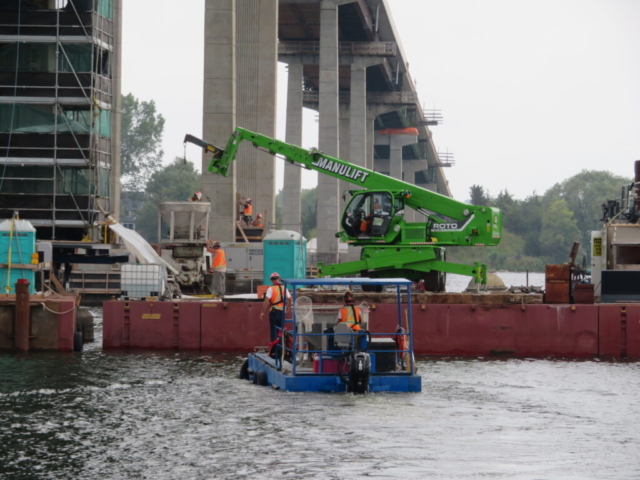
(59, 120)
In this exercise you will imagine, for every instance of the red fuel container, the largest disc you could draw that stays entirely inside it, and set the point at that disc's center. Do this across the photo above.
(328, 364)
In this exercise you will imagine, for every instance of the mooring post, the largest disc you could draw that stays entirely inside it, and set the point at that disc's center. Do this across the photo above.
(22, 325)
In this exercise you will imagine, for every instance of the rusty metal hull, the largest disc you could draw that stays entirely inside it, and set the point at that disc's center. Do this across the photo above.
(51, 326)
(519, 330)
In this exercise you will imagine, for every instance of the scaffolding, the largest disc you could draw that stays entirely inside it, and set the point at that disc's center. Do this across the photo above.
(56, 104)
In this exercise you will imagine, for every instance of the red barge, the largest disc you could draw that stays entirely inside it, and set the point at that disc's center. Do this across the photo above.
(515, 325)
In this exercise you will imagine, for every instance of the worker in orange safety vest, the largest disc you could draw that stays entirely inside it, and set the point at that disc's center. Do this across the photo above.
(247, 214)
(274, 300)
(258, 221)
(218, 268)
(350, 314)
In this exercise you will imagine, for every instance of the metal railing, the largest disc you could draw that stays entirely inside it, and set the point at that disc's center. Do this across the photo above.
(381, 98)
(387, 49)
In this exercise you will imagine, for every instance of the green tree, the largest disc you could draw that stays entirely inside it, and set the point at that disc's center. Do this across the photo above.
(175, 182)
(559, 231)
(140, 152)
(509, 255)
(479, 196)
(584, 194)
(527, 222)
(505, 202)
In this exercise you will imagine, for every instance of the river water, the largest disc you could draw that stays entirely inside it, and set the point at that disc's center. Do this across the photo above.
(150, 415)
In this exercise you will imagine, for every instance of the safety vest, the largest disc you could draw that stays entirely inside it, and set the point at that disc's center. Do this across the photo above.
(351, 316)
(220, 261)
(248, 210)
(277, 297)
(259, 224)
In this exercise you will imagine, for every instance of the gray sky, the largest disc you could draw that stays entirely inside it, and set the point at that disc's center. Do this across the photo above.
(532, 92)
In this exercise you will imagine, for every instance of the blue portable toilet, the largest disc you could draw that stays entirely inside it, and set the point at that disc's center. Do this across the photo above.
(17, 245)
(285, 252)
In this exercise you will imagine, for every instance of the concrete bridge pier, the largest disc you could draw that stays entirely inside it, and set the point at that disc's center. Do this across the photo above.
(396, 162)
(291, 191)
(328, 134)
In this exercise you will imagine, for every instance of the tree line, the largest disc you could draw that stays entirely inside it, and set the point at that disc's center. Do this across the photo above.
(541, 229)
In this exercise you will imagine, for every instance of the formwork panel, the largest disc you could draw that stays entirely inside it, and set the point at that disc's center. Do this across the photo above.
(233, 326)
(188, 325)
(151, 325)
(113, 322)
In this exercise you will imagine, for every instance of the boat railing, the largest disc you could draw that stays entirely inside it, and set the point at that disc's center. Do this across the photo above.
(304, 351)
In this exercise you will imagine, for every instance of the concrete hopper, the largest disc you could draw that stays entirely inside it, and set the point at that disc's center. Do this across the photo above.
(183, 222)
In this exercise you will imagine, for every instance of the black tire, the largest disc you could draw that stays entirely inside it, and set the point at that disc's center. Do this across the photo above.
(260, 378)
(435, 281)
(78, 343)
(244, 370)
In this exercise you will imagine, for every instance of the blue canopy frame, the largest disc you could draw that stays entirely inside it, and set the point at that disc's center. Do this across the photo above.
(398, 282)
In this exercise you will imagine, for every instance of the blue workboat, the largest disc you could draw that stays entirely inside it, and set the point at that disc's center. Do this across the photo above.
(319, 351)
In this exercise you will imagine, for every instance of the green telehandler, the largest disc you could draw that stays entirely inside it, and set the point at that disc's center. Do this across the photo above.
(374, 217)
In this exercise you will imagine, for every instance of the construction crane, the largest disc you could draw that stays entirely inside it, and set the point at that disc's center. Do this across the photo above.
(374, 217)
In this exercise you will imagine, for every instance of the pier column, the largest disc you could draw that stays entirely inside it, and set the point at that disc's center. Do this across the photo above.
(345, 148)
(410, 169)
(371, 136)
(396, 142)
(328, 135)
(256, 76)
(219, 111)
(291, 191)
(358, 114)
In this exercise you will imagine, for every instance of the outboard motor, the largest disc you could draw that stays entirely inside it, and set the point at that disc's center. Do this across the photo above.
(359, 373)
